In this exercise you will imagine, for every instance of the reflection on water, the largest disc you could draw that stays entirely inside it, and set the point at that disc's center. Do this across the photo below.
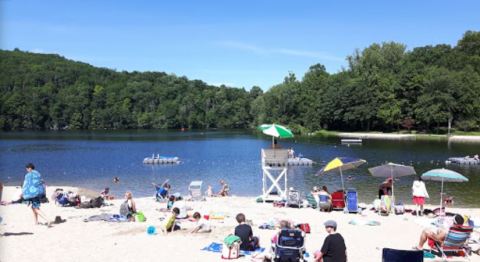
(92, 159)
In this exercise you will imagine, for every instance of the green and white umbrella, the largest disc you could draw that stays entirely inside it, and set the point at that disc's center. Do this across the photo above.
(275, 130)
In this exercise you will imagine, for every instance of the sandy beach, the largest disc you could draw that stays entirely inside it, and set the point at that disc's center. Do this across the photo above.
(76, 240)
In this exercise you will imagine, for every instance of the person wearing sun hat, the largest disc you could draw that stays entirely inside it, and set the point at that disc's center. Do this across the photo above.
(333, 248)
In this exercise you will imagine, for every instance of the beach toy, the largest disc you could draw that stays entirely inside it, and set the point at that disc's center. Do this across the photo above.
(151, 230)
(140, 217)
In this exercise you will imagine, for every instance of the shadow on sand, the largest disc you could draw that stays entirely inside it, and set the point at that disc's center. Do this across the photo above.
(7, 234)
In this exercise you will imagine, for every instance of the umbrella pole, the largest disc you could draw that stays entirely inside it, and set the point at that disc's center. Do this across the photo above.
(393, 185)
(273, 142)
(441, 198)
(341, 175)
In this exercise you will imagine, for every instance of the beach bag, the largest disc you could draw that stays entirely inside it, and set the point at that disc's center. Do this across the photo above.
(140, 217)
(231, 247)
(304, 227)
(399, 209)
(62, 199)
(33, 185)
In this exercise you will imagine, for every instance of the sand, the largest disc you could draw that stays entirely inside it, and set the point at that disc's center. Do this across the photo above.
(76, 240)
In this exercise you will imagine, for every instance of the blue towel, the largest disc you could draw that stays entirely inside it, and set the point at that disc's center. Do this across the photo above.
(217, 247)
(213, 247)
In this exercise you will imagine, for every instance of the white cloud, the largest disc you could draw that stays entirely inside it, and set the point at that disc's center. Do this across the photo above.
(281, 51)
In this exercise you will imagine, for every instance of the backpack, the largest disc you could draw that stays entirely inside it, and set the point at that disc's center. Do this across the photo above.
(304, 227)
(231, 247)
(124, 210)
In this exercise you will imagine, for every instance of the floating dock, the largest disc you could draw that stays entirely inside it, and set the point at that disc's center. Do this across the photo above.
(464, 161)
(300, 161)
(356, 141)
(161, 160)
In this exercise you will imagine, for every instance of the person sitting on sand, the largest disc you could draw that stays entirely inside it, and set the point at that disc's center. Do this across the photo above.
(161, 191)
(225, 189)
(333, 248)
(245, 233)
(202, 226)
(106, 194)
(438, 235)
(170, 225)
(324, 199)
(385, 188)
(128, 208)
(171, 201)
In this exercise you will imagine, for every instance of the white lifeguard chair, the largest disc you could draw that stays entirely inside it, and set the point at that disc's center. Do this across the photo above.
(195, 190)
(274, 168)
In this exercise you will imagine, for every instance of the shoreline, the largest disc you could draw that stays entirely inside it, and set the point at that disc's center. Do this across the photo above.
(394, 136)
(111, 241)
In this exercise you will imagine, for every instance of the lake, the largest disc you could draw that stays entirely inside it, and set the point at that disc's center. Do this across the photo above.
(92, 158)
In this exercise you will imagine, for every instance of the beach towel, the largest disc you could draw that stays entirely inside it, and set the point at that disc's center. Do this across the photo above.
(33, 185)
(217, 248)
(362, 222)
(107, 218)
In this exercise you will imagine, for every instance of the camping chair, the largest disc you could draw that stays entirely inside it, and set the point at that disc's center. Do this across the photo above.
(338, 200)
(455, 243)
(394, 255)
(352, 201)
(311, 200)
(195, 189)
(294, 198)
(290, 246)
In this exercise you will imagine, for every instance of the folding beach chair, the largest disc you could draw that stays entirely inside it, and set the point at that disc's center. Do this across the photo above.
(195, 189)
(290, 246)
(395, 255)
(455, 243)
(294, 198)
(311, 200)
(338, 200)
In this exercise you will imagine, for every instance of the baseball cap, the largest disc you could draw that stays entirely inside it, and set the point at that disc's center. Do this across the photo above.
(330, 223)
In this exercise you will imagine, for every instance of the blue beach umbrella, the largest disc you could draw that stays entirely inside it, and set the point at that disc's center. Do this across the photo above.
(341, 164)
(443, 175)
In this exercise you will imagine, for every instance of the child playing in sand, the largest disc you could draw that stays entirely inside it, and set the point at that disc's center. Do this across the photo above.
(209, 191)
(202, 226)
(171, 226)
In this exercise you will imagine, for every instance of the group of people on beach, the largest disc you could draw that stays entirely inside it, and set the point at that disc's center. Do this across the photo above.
(333, 248)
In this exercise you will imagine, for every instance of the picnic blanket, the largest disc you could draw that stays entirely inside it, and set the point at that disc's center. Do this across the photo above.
(106, 217)
(217, 248)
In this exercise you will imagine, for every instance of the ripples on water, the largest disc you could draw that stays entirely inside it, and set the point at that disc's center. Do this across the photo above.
(92, 159)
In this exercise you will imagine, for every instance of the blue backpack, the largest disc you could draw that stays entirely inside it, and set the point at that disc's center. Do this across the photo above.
(33, 185)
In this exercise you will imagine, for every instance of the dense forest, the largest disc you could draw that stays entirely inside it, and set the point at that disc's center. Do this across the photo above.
(384, 88)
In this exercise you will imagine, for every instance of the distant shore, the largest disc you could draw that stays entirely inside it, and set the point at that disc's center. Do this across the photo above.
(396, 136)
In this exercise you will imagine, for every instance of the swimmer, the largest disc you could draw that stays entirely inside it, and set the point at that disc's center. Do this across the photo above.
(116, 180)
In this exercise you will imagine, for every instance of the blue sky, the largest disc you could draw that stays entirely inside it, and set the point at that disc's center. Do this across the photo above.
(237, 43)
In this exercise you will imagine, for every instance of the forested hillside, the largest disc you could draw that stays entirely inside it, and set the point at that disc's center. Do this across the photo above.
(384, 88)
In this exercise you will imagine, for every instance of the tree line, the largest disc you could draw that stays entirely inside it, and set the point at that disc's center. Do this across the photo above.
(385, 87)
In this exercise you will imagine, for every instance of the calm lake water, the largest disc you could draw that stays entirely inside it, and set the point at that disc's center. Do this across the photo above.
(92, 159)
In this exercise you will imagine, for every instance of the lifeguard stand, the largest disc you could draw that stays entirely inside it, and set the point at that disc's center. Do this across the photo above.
(274, 167)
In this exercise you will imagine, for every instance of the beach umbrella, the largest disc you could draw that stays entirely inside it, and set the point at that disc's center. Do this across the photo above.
(275, 130)
(392, 170)
(341, 164)
(443, 175)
